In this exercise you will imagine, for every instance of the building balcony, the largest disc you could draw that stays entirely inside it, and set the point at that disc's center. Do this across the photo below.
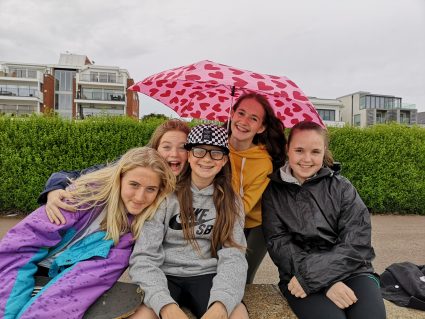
(24, 75)
(101, 97)
(334, 123)
(107, 79)
(8, 92)
(408, 106)
(18, 109)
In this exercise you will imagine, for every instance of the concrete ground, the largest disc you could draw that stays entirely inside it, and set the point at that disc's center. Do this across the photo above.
(395, 239)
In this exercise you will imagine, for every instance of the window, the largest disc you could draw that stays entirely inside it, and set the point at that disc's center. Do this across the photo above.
(362, 102)
(404, 118)
(356, 120)
(326, 115)
(63, 80)
(380, 117)
(379, 102)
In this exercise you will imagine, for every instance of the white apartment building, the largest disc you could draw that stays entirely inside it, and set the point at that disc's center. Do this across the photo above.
(330, 110)
(74, 88)
(364, 108)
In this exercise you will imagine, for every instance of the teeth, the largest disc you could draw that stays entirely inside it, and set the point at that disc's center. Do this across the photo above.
(241, 129)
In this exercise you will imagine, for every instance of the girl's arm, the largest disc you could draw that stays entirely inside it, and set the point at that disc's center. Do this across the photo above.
(278, 239)
(21, 249)
(146, 260)
(352, 252)
(229, 283)
(60, 180)
(54, 193)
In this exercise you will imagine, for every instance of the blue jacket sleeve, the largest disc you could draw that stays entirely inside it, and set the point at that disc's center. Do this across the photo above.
(61, 180)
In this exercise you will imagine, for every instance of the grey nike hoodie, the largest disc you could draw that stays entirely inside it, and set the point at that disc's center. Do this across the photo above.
(162, 250)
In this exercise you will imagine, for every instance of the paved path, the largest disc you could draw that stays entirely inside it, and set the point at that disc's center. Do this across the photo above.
(394, 238)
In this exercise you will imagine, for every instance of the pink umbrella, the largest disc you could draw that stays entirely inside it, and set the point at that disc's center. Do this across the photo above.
(207, 90)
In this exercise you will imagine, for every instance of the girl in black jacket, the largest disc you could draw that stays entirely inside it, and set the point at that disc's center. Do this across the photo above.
(318, 234)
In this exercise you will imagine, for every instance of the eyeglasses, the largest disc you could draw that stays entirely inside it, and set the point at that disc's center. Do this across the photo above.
(200, 152)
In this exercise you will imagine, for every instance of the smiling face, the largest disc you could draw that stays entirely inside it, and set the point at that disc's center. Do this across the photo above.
(171, 148)
(247, 121)
(139, 188)
(205, 169)
(305, 153)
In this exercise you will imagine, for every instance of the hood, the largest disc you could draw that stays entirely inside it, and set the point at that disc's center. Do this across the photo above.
(256, 152)
(284, 175)
(207, 191)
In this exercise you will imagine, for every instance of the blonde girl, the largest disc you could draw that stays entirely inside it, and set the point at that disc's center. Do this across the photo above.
(85, 256)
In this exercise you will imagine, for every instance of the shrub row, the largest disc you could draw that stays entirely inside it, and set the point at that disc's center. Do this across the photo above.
(32, 148)
(385, 163)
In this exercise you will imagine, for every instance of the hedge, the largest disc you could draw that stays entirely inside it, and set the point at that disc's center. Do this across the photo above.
(386, 163)
(32, 148)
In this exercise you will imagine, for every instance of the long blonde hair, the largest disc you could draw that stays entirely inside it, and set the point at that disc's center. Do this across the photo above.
(103, 188)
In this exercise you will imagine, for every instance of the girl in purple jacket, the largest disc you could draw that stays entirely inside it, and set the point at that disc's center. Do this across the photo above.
(85, 256)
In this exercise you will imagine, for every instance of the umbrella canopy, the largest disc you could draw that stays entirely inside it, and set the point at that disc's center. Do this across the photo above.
(207, 90)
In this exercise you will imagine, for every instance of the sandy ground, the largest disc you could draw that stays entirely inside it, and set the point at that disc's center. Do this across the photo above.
(395, 239)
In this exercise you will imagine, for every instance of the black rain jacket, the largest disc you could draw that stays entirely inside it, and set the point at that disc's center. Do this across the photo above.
(319, 232)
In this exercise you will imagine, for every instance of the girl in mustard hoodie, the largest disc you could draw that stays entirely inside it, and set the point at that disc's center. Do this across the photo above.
(257, 146)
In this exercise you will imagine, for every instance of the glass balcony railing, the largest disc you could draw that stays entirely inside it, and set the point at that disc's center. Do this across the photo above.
(20, 73)
(101, 78)
(18, 91)
(17, 109)
(101, 96)
(408, 106)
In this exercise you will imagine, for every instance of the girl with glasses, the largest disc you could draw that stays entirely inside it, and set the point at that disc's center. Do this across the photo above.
(192, 252)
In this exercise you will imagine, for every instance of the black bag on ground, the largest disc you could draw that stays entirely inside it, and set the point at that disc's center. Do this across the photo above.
(404, 284)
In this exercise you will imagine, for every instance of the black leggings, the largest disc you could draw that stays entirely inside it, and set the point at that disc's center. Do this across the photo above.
(255, 252)
(191, 292)
(369, 305)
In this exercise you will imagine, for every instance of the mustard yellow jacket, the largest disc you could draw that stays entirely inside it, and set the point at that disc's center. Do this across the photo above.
(249, 179)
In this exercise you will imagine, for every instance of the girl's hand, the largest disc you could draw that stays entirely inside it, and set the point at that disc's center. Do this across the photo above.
(55, 200)
(341, 295)
(172, 311)
(295, 288)
(216, 311)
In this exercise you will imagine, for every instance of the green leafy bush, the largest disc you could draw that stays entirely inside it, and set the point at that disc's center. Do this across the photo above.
(386, 163)
(32, 148)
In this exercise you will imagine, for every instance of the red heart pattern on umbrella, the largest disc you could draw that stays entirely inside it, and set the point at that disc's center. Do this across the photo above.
(204, 90)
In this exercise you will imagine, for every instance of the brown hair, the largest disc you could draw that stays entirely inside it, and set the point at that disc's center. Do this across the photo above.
(226, 205)
(170, 125)
(311, 126)
(273, 136)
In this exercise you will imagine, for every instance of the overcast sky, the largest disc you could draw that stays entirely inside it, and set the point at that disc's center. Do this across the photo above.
(330, 48)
